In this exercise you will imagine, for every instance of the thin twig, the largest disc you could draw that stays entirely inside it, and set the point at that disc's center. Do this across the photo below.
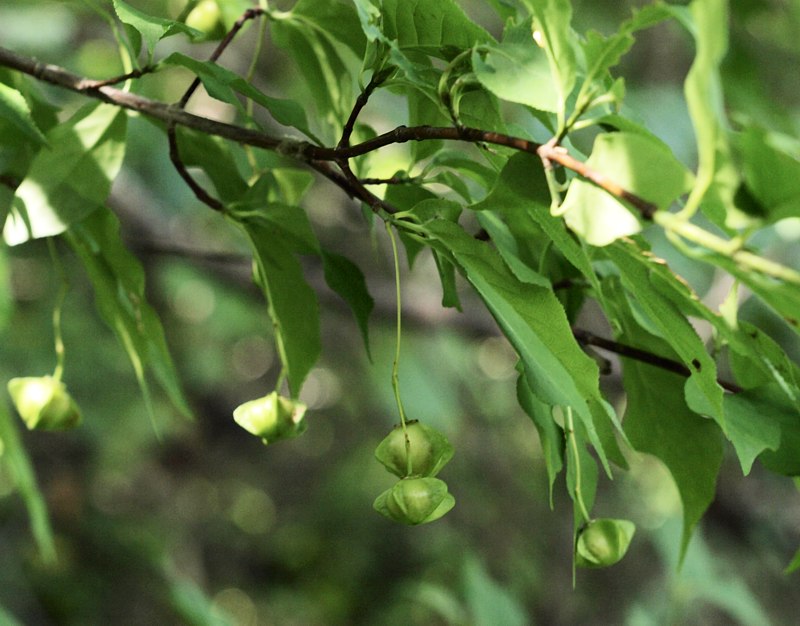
(550, 152)
(174, 152)
(586, 338)
(313, 155)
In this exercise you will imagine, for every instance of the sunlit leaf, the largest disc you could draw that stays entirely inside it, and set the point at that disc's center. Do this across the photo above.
(640, 164)
(516, 73)
(552, 22)
(73, 178)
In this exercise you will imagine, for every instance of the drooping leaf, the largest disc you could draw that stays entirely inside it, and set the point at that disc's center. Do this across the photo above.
(558, 371)
(639, 163)
(346, 279)
(15, 110)
(659, 422)
(794, 565)
(769, 404)
(216, 158)
(152, 29)
(293, 305)
(488, 601)
(702, 392)
(6, 301)
(521, 193)
(117, 278)
(551, 437)
(73, 178)
(752, 425)
(16, 459)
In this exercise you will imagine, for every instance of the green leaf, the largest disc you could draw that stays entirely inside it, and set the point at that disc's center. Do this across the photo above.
(558, 371)
(292, 303)
(14, 109)
(794, 565)
(73, 178)
(783, 297)
(659, 422)
(323, 70)
(703, 89)
(216, 158)
(521, 195)
(603, 53)
(346, 279)
(769, 403)
(752, 426)
(6, 300)
(117, 278)
(333, 18)
(489, 602)
(637, 162)
(152, 29)
(551, 437)
(552, 21)
(19, 464)
(637, 268)
(281, 221)
(223, 85)
(440, 28)
(516, 73)
(772, 172)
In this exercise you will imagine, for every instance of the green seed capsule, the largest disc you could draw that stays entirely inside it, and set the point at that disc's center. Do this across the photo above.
(603, 542)
(428, 451)
(272, 417)
(415, 501)
(43, 403)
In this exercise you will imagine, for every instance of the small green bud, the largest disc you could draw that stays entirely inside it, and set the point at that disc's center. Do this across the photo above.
(603, 542)
(272, 417)
(43, 403)
(415, 501)
(428, 451)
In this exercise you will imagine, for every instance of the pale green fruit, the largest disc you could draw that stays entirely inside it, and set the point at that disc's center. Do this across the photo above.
(207, 18)
(428, 452)
(415, 501)
(43, 403)
(273, 417)
(603, 542)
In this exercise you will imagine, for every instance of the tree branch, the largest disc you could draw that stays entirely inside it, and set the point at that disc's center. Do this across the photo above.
(313, 155)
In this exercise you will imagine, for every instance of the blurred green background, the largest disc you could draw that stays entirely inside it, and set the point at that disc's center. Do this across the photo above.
(197, 522)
